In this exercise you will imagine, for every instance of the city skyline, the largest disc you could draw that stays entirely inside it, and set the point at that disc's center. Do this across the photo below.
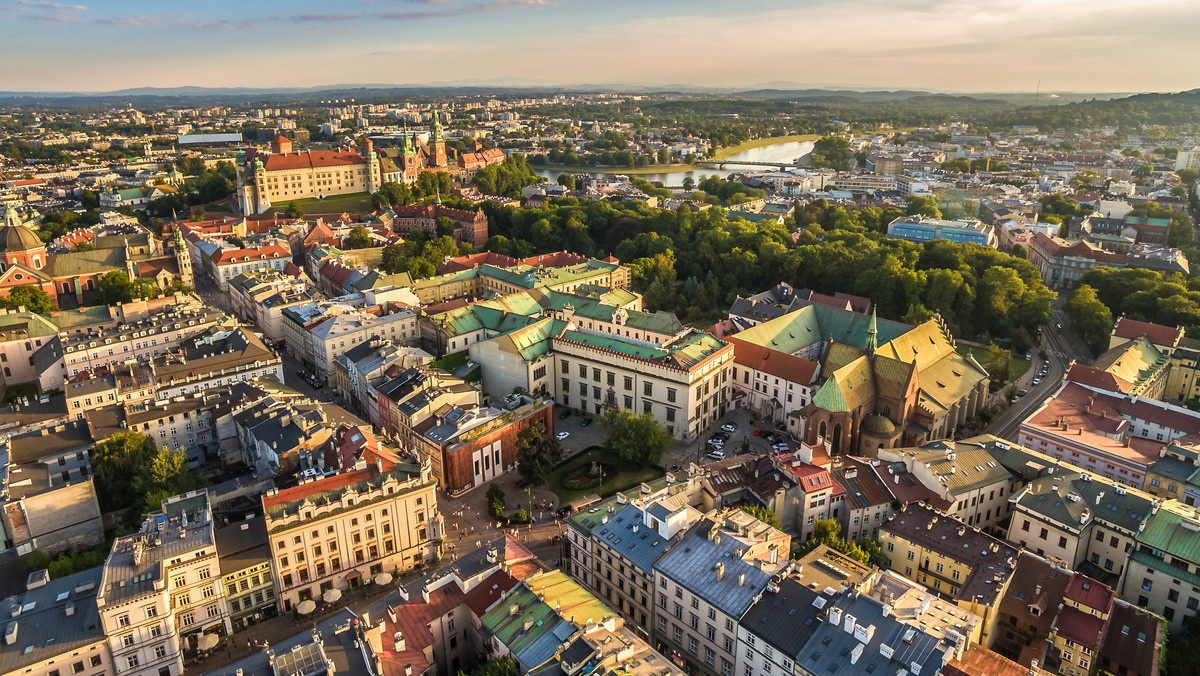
(1067, 45)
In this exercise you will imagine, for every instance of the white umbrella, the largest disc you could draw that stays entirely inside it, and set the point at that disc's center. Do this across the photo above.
(208, 642)
(332, 595)
(306, 607)
(383, 578)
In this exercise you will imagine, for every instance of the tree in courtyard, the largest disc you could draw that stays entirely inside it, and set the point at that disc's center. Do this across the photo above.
(538, 453)
(116, 287)
(762, 514)
(294, 210)
(639, 440)
(359, 238)
(166, 473)
(116, 461)
(996, 363)
(29, 297)
(394, 258)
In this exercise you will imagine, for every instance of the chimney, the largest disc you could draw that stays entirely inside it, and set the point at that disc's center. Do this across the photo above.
(742, 579)
(720, 571)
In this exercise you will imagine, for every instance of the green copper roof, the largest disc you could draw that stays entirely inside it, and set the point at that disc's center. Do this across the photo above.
(1174, 529)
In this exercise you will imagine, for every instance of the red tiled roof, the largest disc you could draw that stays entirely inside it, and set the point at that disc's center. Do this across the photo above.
(1080, 627)
(1157, 334)
(471, 260)
(225, 256)
(433, 211)
(1094, 377)
(1088, 592)
(412, 622)
(151, 268)
(557, 259)
(313, 159)
(979, 661)
(789, 367)
(305, 490)
(492, 589)
(1081, 249)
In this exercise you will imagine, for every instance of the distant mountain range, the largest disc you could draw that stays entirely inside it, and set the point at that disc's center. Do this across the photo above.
(784, 91)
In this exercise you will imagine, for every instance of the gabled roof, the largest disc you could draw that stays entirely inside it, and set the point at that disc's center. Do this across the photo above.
(1157, 334)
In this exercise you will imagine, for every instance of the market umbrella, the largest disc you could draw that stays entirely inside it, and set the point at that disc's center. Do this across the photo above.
(332, 595)
(383, 578)
(208, 642)
(306, 607)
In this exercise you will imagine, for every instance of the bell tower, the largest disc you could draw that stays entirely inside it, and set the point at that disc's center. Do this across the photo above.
(437, 143)
(183, 258)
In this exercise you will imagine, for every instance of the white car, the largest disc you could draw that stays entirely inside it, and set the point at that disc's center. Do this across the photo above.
(717, 455)
(562, 435)
(729, 427)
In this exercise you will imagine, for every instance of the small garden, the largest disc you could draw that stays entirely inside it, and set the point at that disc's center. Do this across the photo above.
(593, 471)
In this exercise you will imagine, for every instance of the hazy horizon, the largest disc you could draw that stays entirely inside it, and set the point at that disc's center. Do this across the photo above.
(971, 46)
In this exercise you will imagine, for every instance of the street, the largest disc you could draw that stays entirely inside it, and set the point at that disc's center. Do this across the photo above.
(1061, 347)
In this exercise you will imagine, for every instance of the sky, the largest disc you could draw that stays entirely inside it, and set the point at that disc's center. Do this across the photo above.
(938, 45)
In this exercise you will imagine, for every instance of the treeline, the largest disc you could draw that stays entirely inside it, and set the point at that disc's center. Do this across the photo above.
(695, 264)
(1144, 295)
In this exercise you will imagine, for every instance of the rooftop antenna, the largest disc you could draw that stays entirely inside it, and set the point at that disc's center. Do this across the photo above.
(1037, 93)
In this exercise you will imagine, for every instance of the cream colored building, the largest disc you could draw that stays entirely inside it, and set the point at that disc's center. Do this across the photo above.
(339, 531)
(682, 379)
(266, 178)
(161, 590)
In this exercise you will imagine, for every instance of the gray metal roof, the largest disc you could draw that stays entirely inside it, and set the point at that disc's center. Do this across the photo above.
(830, 648)
(626, 534)
(43, 627)
(692, 564)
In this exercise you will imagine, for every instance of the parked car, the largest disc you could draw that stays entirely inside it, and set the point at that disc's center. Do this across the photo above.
(562, 435)
(1028, 356)
(716, 441)
(729, 427)
(585, 422)
(760, 432)
(781, 447)
(1037, 381)
(565, 414)
(717, 455)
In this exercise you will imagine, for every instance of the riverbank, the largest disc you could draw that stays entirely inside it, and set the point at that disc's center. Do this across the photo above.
(729, 151)
(605, 169)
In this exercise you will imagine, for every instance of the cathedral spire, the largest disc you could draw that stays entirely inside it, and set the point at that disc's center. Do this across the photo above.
(872, 336)
(435, 129)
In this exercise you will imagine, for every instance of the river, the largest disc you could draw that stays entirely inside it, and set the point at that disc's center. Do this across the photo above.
(785, 153)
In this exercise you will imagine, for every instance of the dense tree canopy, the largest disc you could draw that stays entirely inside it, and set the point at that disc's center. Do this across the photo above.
(695, 264)
(538, 452)
(29, 297)
(639, 440)
(507, 178)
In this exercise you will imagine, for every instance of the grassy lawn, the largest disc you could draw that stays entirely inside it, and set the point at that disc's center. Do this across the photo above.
(626, 477)
(352, 203)
(450, 361)
(1016, 367)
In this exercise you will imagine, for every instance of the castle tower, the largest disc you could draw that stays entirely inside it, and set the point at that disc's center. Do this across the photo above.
(281, 144)
(262, 198)
(437, 143)
(374, 173)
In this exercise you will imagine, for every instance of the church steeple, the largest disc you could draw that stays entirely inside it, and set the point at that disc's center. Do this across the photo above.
(435, 128)
(406, 142)
(872, 336)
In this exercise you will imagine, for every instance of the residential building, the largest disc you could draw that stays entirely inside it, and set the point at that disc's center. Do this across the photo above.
(471, 228)
(962, 474)
(1062, 263)
(1163, 571)
(1074, 516)
(707, 582)
(49, 497)
(867, 500)
(773, 633)
(53, 627)
(380, 516)
(629, 536)
(958, 562)
(161, 589)
(1108, 433)
(218, 357)
(244, 557)
(753, 480)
